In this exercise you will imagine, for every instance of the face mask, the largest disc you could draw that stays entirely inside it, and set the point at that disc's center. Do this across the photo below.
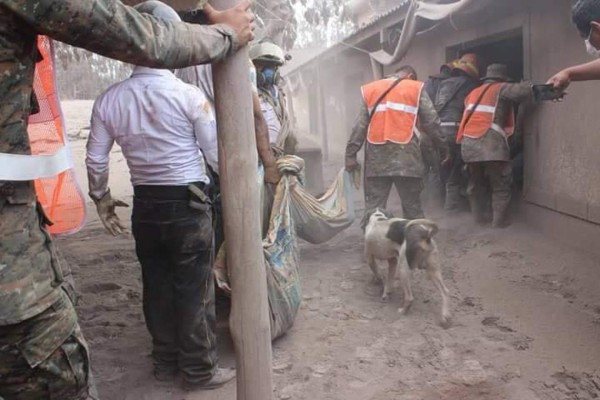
(592, 51)
(589, 47)
(268, 77)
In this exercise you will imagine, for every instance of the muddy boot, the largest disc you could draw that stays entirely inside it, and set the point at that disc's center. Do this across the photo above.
(453, 199)
(165, 373)
(500, 219)
(220, 378)
(478, 211)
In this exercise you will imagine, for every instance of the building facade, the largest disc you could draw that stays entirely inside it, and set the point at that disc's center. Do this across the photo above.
(535, 38)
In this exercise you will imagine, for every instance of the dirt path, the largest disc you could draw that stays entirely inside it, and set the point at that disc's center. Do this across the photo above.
(526, 321)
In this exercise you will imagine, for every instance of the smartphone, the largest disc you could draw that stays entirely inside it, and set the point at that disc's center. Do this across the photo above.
(546, 92)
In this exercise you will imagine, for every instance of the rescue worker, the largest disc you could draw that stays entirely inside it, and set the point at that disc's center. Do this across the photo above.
(487, 124)
(161, 123)
(432, 84)
(43, 354)
(386, 121)
(201, 77)
(586, 16)
(431, 155)
(449, 104)
(267, 58)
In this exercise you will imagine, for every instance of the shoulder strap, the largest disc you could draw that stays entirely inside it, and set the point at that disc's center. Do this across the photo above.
(450, 98)
(380, 99)
(472, 111)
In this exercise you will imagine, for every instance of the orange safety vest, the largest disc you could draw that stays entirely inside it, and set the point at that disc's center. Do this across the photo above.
(396, 115)
(482, 119)
(60, 196)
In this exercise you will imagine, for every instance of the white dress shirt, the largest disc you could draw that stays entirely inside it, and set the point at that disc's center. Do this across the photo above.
(201, 76)
(159, 122)
(272, 120)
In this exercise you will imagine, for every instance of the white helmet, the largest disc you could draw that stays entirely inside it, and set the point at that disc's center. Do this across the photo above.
(267, 51)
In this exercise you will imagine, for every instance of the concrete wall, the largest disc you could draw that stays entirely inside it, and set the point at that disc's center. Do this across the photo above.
(563, 149)
(561, 142)
(342, 77)
(562, 146)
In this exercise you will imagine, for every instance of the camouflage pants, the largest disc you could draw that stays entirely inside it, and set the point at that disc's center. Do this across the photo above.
(454, 179)
(377, 191)
(485, 177)
(434, 189)
(63, 375)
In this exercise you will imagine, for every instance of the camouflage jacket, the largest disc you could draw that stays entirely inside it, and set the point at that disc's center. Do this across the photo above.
(30, 277)
(393, 159)
(494, 146)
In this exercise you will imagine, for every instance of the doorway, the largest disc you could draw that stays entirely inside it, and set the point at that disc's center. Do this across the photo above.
(504, 48)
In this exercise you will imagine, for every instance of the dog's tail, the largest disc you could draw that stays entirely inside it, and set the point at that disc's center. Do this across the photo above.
(425, 227)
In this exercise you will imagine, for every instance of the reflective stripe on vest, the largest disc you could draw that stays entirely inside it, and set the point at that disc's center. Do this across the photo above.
(395, 117)
(482, 119)
(50, 165)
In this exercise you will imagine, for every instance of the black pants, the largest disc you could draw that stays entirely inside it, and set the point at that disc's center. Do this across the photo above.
(173, 245)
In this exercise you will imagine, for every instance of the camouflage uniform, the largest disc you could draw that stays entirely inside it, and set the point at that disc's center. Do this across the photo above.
(488, 159)
(431, 154)
(42, 352)
(450, 105)
(393, 163)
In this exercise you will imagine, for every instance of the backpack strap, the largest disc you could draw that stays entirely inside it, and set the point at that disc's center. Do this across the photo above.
(380, 99)
(472, 111)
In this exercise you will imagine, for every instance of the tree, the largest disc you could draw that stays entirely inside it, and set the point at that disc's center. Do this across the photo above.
(289, 23)
(84, 75)
(304, 23)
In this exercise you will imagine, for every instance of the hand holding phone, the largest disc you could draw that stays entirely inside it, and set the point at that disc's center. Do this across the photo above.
(547, 92)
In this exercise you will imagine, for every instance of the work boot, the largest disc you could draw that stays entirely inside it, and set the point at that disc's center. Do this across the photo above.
(501, 219)
(220, 378)
(164, 373)
(477, 210)
(453, 199)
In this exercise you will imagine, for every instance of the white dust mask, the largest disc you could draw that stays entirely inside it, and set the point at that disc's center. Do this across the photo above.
(592, 51)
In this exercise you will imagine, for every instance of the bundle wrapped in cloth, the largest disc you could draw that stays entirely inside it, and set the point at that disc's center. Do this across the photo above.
(289, 212)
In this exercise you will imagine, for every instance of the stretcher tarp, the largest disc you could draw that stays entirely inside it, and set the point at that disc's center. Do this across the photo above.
(294, 212)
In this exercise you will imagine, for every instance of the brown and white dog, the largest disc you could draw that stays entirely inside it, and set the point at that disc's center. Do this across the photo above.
(407, 245)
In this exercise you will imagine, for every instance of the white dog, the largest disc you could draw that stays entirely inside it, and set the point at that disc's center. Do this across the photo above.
(397, 239)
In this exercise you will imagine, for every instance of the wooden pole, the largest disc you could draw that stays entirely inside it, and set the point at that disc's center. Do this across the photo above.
(238, 172)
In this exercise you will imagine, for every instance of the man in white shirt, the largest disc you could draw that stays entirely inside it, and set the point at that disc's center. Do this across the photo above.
(161, 123)
(201, 77)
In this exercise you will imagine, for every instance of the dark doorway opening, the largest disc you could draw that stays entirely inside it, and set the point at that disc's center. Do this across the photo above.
(504, 48)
